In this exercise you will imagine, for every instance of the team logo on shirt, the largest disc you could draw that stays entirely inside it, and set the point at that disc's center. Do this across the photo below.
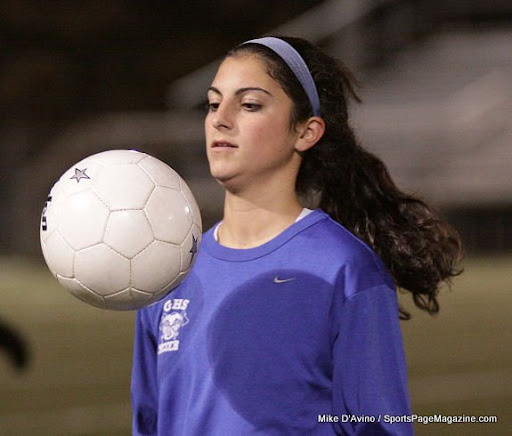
(174, 317)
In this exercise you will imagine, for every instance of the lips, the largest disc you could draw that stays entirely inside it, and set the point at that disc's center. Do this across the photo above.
(223, 144)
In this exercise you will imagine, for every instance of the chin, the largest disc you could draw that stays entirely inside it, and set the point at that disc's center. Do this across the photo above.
(228, 182)
(221, 176)
(220, 171)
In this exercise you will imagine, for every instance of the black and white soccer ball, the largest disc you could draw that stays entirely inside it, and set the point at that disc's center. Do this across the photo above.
(120, 230)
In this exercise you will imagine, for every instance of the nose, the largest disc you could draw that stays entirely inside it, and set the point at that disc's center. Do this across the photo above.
(222, 118)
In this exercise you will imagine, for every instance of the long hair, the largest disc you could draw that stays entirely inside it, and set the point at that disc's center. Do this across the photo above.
(354, 186)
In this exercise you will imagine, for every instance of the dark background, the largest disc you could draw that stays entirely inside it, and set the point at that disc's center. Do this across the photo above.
(74, 75)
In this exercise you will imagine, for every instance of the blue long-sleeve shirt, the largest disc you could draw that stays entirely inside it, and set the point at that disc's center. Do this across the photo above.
(299, 336)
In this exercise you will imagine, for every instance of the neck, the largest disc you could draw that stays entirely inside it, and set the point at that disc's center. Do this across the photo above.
(251, 219)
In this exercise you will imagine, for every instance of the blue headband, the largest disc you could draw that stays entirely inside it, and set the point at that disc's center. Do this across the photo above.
(298, 66)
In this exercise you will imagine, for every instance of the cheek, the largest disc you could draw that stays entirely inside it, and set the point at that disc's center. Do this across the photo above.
(272, 131)
(206, 125)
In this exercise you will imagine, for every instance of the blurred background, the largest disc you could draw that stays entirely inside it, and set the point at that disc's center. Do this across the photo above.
(77, 78)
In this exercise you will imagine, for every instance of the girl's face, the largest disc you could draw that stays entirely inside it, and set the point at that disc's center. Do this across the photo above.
(249, 137)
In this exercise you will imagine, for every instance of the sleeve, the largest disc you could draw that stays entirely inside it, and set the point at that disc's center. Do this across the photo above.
(369, 368)
(144, 392)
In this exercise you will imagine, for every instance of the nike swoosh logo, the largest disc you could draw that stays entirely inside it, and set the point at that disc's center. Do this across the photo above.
(278, 280)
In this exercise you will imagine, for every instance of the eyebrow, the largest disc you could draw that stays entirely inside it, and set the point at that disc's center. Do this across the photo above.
(241, 90)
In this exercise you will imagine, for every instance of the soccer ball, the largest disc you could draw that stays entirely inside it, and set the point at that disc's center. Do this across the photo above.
(120, 229)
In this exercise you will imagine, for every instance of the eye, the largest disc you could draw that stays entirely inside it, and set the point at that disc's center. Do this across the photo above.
(212, 106)
(251, 107)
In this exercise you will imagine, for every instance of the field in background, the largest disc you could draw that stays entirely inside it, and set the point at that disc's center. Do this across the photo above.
(78, 380)
(460, 362)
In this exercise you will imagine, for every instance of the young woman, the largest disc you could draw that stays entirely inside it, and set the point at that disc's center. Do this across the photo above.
(288, 323)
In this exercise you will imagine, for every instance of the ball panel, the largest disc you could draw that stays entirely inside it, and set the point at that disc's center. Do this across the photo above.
(78, 178)
(169, 286)
(128, 232)
(58, 255)
(153, 267)
(189, 248)
(161, 173)
(81, 292)
(195, 212)
(169, 215)
(48, 219)
(128, 299)
(123, 186)
(81, 219)
(102, 269)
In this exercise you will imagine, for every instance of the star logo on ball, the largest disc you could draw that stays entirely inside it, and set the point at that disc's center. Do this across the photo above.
(79, 175)
(193, 250)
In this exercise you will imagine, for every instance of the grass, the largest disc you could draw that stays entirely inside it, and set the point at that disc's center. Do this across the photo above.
(460, 361)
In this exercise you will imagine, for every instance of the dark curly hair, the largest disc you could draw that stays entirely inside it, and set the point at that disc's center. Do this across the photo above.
(354, 186)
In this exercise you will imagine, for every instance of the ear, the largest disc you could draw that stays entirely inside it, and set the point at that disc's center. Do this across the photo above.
(310, 133)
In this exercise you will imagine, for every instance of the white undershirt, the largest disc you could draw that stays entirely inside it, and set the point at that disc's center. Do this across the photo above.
(304, 212)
